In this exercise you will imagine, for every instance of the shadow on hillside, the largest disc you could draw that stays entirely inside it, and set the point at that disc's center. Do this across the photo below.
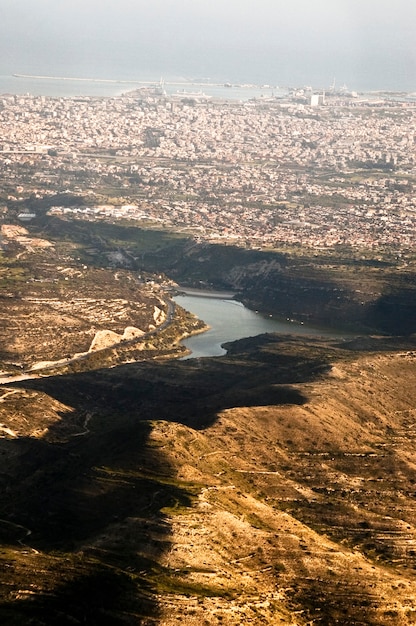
(102, 597)
(103, 490)
(395, 312)
(336, 602)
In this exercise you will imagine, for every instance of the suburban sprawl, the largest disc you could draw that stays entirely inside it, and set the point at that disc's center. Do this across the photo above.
(265, 173)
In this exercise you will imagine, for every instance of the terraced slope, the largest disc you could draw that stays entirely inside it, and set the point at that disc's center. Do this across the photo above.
(272, 486)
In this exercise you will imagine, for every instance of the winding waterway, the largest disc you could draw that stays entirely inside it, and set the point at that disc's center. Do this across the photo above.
(229, 320)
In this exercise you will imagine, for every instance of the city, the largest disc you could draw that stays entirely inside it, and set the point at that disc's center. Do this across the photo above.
(264, 173)
(142, 482)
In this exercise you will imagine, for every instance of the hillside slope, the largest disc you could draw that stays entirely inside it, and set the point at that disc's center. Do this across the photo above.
(272, 486)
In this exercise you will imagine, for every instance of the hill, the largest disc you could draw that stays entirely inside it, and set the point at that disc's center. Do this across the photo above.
(274, 485)
(364, 291)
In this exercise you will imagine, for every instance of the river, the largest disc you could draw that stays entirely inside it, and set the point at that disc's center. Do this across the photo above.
(229, 320)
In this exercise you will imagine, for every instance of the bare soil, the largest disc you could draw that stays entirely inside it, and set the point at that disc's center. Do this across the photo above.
(272, 486)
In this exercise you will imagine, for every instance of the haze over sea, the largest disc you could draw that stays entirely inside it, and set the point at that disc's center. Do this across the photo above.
(96, 77)
(368, 46)
(61, 84)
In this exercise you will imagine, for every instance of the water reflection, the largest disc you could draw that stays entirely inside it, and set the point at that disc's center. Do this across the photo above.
(230, 320)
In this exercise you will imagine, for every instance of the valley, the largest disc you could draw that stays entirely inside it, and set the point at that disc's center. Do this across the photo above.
(272, 485)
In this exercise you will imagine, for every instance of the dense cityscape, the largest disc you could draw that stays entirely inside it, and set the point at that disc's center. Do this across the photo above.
(318, 171)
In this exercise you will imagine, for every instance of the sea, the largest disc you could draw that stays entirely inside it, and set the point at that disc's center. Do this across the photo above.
(62, 86)
(99, 87)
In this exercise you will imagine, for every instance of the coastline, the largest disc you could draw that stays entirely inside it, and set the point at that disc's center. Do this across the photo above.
(54, 86)
(182, 83)
(17, 83)
(88, 80)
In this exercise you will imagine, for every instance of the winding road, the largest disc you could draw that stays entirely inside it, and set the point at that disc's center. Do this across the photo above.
(29, 374)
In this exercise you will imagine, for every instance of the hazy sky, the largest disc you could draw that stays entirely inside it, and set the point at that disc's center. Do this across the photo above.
(361, 42)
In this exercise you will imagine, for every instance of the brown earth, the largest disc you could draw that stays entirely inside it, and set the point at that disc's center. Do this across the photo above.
(53, 307)
(272, 486)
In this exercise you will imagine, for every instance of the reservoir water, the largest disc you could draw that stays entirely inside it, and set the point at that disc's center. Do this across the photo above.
(230, 320)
